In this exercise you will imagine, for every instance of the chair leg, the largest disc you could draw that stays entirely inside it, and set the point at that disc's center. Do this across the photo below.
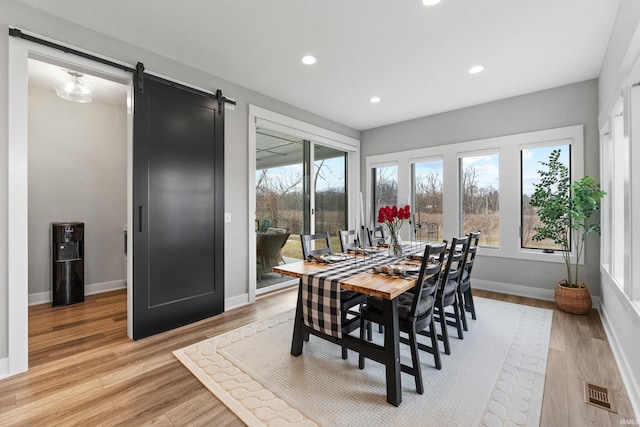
(434, 344)
(415, 359)
(362, 332)
(463, 313)
(345, 354)
(443, 326)
(456, 310)
(469, 300)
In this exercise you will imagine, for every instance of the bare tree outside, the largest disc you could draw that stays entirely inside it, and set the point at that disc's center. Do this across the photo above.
(385, 187)
(428, 201)
(481, 198)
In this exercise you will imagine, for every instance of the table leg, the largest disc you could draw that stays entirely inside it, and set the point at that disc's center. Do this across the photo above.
(298, 336)
(392, 348)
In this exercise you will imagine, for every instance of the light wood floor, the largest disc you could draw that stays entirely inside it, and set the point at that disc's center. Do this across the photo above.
(85, 371)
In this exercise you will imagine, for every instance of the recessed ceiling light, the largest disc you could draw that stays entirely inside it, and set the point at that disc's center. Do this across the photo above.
(374, 99)
(476, 69)
(430, 2)
(309, 60)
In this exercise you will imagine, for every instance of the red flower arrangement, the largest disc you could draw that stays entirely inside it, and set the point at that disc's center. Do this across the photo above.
(394, 217)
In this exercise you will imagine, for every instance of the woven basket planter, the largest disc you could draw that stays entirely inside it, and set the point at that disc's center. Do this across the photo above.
(573, 300)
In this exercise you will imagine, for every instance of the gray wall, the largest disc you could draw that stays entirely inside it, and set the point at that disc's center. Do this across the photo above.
(77, 172)
(564, 106)
(236, 125)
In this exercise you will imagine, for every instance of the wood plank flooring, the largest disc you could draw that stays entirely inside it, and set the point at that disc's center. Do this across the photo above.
(85, 371)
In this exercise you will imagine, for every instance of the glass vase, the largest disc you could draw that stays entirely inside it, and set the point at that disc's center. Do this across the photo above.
(395, 244)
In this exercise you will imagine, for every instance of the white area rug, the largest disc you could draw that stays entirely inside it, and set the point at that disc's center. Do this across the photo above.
(494, 377)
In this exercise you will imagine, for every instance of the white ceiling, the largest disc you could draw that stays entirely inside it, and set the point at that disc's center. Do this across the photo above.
(414, 57)
(43, 76)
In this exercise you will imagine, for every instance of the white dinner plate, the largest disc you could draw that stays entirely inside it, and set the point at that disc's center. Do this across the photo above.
(406, 268)
(335, 258)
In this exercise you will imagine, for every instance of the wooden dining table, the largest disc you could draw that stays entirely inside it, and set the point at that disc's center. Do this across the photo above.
(388, 288)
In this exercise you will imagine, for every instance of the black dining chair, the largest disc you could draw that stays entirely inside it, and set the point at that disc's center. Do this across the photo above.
(447, 295)
(348, 240)
(316, 244)
(465, 294)
(415, 312)
(320, 244)
(376, 235)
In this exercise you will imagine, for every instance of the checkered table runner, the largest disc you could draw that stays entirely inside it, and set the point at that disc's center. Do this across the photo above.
(321, 290)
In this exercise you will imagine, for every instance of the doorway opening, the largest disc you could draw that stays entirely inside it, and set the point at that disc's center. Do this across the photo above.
(77, 172)
(21, 52)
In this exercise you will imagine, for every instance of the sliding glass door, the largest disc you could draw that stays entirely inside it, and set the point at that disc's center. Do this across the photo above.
(330, 196)
(300, 188)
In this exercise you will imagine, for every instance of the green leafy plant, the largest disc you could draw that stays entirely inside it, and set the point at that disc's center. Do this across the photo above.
(565, 211)
(265, 223)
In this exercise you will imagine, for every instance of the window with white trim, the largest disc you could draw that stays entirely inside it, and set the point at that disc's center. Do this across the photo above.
(615, 172)
(385, 188)
(493, 203)
(531, 158)
(426, 199)
(480, 196)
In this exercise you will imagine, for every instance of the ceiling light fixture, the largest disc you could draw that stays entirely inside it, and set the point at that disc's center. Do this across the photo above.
(430, 2)
(74, 88)
(309, 60)
(374, 99)
(476, 69)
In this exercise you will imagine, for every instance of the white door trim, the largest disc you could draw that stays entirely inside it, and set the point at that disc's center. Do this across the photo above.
(260, 117)
(20, 51)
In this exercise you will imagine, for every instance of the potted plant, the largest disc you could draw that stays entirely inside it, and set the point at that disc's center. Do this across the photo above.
(565, 210)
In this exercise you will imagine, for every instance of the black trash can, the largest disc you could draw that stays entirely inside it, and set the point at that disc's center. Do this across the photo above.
(67, 275)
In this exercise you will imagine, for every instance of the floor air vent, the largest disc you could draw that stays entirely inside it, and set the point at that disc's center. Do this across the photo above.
(599, 397)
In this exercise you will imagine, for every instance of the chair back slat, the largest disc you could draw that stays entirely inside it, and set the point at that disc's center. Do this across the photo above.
(307, 242)
(430, 272)
(471, 257)
(455, 261)
(348, 239)
(376, 235)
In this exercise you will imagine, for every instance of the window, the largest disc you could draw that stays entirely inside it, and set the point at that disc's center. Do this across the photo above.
(530, 159)
(427, 200)
(385, 188)
(473, 185)
(615, 171)
(330, 196)
(480, 196)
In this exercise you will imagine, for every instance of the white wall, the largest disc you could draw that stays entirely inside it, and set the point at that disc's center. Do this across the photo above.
(622, 51)
(236, 134)
(77, 172)
(622, 316)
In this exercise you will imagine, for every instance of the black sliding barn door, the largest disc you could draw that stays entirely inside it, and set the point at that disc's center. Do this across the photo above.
(178, 202)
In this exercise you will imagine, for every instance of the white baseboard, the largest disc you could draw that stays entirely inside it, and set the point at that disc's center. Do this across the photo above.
(94, 288)
(4, 368)
(236, 302)
(523, 291)
(630, 382)
(97, 288)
